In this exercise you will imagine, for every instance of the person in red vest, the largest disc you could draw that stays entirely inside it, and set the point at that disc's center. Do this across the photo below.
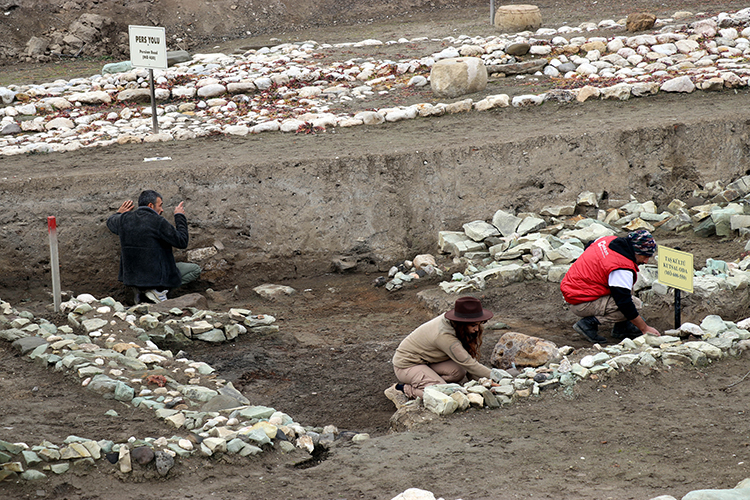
(599, 286)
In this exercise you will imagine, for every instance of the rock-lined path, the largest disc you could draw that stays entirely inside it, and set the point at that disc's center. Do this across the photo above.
(283, 88)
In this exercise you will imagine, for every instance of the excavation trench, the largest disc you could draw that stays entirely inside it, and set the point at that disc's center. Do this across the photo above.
(283, 206)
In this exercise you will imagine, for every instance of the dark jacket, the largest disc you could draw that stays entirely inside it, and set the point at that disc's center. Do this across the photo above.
(146, 241)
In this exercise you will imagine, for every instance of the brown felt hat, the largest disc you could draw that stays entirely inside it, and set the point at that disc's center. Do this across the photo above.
(468, 310)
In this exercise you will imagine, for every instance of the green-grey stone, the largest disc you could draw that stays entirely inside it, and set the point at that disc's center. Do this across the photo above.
(33, 475)
(235, 445)
(118, 67)
(12, 334)
(106, 445)
(179, 451)
(49, 454)
(94, 324)
(102, 384)
(49, 328)
(90, 371)
(30, 457)
(84, 462)
(74, 439)
(263, 330)
(214, 335)
(149, 403)
(29, 344)
(706, 228)
(131, 363)
(177, 56)
(60, 468)
(123, 392)
(165, 413)
(229, 390)
(257, 412)
(198, 393)
(287, 447)
(257, 435)
(11, 448)
(83, 309)
(249, 449)
(74, 451)
(203, 368)
(567, 379)
(39, 351)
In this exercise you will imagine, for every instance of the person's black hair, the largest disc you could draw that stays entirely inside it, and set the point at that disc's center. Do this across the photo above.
(148, 196)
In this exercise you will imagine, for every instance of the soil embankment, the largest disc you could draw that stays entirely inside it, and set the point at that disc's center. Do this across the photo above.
(286, 205)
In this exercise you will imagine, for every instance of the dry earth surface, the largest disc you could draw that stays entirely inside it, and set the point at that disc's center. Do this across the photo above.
(634, 436)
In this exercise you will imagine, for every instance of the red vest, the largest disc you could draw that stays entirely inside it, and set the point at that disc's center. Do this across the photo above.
(588, 277)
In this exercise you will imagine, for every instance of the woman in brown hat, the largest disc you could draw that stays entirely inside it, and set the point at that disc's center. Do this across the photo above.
(443, 350)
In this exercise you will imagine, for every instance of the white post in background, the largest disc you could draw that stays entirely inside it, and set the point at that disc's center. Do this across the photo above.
(54, 262)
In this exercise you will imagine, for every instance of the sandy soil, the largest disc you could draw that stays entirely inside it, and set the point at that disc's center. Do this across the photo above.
(632, 437)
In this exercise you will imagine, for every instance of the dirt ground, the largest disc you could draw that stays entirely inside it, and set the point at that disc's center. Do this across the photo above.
(634, 436)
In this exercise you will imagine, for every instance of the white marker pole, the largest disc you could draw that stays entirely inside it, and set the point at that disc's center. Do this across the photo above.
(54, 262)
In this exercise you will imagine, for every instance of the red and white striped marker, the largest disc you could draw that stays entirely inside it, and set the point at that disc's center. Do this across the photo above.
(54, 262)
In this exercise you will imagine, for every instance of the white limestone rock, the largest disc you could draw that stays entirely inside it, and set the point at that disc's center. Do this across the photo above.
(457, 76)
(681, 84)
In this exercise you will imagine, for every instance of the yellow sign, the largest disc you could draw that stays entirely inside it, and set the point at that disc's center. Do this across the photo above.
(676, 268)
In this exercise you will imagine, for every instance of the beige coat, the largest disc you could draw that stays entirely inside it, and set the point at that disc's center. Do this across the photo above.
(434, 342)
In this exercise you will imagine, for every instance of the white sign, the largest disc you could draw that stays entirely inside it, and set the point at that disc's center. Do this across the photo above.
(148, 47)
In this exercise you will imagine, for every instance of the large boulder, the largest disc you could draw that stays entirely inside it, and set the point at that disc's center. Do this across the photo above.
(640, 21)
(36, 46)
(118, 67)
(177, 56)
(518, 350)
(514, 18)
(458, 76)
(135, 95)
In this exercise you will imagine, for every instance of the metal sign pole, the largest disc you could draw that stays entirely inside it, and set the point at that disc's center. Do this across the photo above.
(154, 120)
(492, 12)
(677, 312)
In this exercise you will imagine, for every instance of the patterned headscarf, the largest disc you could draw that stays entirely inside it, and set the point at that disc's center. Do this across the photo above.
(643, 243)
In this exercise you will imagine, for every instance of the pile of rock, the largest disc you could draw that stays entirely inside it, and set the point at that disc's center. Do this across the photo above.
(90, 35)
(283, 88)
(516, 247)
(409, 270)
(113, 351)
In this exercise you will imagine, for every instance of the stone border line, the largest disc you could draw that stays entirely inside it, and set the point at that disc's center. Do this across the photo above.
(283, 88)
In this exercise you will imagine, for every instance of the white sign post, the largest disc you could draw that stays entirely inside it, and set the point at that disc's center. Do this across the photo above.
(148, 49)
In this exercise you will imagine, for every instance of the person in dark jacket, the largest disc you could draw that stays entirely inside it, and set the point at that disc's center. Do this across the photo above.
(146, 242)
(599, 286)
